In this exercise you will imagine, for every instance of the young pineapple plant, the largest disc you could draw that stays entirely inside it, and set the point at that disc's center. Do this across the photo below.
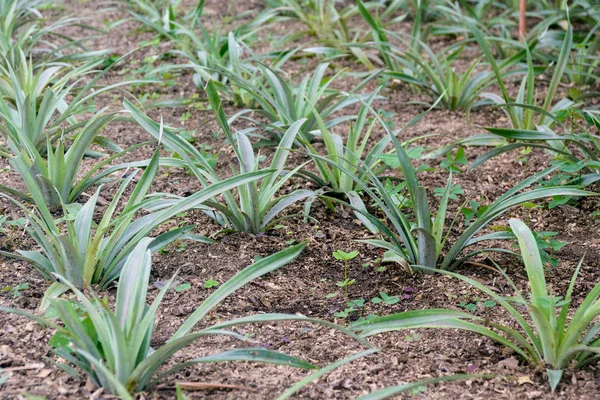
(252, 207)
(113, 346)
(552, 336)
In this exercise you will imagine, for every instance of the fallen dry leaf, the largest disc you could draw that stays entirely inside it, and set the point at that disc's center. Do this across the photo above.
(24, 368)
(90, 386)
(509, 363)
(521, 380)
(96, 394)
(44, 373)
(209, 386)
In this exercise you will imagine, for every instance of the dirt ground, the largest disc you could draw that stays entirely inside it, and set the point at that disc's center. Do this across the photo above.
(303, 286)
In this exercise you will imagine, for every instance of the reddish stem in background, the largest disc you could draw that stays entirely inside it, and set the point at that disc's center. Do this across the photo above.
(521, 20)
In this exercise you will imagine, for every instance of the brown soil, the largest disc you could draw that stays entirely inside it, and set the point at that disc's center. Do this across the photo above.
(303, 286)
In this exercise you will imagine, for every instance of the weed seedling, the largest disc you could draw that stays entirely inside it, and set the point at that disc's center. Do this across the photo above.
(548, 246)
(6, 226)
(385, 299)
(181, 246)
(183, 287)
(474, 209)
(353, 306)
(453, 163)
(415, 337)
(454, 192)
(16, 290)
(345, 257)
(472, 307)
(210, 283)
